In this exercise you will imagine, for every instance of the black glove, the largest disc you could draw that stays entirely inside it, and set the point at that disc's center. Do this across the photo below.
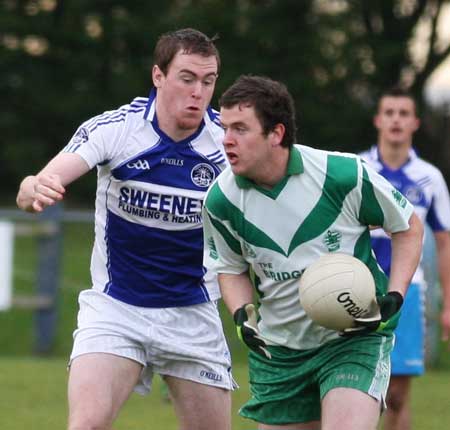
(386, 319)
(247, 330)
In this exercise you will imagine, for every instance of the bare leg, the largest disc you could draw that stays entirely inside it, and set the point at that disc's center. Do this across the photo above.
(398, 414)
(349, 409)
(199, 406)
(311, 425)
(99, 384)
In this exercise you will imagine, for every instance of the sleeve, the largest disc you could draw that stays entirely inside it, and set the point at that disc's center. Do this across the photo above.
(223, 252)
(438, 216)
(96, 140)
(382, 204)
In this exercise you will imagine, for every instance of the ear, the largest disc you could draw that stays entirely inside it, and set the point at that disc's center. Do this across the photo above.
(417, 124)
(376, 121)
(157, 76)
(277, 134)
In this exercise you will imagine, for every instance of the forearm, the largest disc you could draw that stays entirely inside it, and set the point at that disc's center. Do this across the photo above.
(406, 251)
(237, 290)
(47, 187)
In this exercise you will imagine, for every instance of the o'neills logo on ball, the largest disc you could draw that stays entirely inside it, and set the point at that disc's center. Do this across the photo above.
(350, 306)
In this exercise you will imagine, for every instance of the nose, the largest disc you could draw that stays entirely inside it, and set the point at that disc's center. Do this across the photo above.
(197, 89)
(228, 139)
(396, 116)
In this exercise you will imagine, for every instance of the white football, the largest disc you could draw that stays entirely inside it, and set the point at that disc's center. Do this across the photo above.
(337, 288)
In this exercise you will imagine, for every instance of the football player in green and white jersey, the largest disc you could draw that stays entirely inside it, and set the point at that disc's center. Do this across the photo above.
(275, 210)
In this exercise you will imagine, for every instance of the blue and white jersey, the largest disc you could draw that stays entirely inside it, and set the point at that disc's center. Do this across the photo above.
(148, 248)
(424, 186)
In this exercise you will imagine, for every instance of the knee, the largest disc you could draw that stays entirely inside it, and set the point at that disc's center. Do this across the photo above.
(88, 421)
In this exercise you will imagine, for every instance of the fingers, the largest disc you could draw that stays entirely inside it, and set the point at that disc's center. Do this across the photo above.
(48, 190)
(37, 206)
(362, 326)
(254, 341)
(251, 315)
(353, 331)
(265, 352)
(250, 309)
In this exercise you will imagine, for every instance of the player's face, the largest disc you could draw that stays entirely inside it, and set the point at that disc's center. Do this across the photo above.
(396, 120)
(184, 93)
(249, 151)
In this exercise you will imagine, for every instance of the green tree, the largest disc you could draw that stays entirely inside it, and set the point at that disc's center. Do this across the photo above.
(64, 61)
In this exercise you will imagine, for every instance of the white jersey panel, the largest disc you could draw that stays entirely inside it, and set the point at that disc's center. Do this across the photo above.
(148, 248)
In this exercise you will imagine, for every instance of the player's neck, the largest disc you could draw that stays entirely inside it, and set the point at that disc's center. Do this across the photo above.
(394, 155)
(272, 173)
(169, 125)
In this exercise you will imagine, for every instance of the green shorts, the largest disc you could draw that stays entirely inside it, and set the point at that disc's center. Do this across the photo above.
(289, 387)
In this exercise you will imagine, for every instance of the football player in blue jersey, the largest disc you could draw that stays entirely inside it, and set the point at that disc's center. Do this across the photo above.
(423, 184)
(152, 306)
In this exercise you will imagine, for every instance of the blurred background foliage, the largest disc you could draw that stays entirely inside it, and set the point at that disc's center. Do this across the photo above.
(64, 61)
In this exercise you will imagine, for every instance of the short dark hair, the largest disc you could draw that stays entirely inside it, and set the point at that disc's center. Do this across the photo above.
(189, 40)
(271, 101)
(397, 91)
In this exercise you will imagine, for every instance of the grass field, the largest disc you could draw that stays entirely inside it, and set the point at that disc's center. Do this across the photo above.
(33, 389)
(33, 396)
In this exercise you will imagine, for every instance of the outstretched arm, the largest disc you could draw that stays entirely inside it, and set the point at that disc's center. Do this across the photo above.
(48, 186)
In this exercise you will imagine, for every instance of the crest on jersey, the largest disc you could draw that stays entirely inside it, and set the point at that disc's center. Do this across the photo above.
(249, 250)
(414, 195)
(332, 240)
(202, 175)
(81, 136)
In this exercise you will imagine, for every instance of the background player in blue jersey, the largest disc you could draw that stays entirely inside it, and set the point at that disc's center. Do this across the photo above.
(394, 158)
(152, 308)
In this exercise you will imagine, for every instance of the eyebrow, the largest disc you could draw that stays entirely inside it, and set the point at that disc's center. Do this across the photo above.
(234, 124)
(190, 72)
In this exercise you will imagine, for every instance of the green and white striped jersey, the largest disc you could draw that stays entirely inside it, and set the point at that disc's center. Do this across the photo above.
(324, 204)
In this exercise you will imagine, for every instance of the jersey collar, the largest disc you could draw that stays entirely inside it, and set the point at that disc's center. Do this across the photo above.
(294, 167)
(375, 154)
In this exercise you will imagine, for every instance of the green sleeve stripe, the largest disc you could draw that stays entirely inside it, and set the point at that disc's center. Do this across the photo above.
(234, 245)
(363, 251)
(222, 209)
(370, 212)
(341, 178)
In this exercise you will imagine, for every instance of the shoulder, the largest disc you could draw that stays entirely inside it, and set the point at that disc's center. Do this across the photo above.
(116, 118)
(213, 125)
(323, 154)
(421, 165)
(424, 172)
(221, 192)
(370, 154)
(337, 166)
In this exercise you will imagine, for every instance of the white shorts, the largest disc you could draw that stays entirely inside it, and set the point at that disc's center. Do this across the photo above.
(185, 342)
